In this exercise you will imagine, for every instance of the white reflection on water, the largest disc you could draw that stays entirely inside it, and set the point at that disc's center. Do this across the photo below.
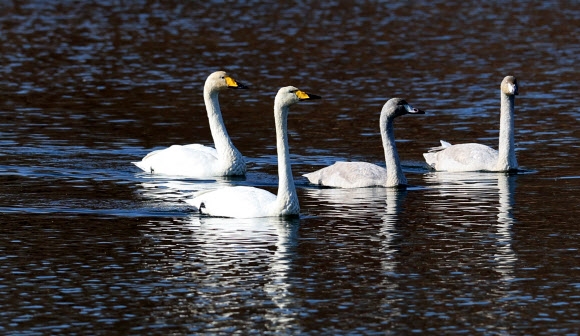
(165, 192)
(246, 245)
(473, 192)
(355, 204)
(394, 201)
(505, 255)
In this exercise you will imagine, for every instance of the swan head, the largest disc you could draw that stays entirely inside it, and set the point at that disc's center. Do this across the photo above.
(395, 107)
(221, 80)
(509, 86)
(290, 95)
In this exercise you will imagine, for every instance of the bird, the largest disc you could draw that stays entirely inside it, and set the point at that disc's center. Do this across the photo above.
(251, 202)
(478, 157)
(364, 174)
(196, 160)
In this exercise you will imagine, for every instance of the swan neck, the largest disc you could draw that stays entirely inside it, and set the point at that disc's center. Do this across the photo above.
(395, 175)
(506, 149)
(286, 199)
(223, 144)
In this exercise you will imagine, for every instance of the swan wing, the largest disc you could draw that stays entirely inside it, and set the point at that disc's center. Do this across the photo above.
(235, 202)
(463, 157)
(444, 144)
(189, 160)
(349, 175)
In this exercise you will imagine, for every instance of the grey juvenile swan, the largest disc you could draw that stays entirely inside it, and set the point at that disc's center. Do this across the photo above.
(364, 174)
(477, 157)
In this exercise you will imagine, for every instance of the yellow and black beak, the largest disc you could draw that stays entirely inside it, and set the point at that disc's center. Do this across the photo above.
(306, 96)
(232, 84)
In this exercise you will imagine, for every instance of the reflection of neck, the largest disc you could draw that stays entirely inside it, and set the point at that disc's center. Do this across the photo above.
(287, 199)
(278, 286)
(388, 230)
(395, 174)
(223, 144)
(505, 186)
(507, 155)
(505, 255)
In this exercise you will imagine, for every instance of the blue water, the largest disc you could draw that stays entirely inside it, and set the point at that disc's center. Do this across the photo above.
(91, 245)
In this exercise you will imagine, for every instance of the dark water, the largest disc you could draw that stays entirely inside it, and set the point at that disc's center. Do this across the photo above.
(89, 245)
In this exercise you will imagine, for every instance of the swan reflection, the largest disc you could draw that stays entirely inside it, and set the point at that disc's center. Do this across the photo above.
(389, 229)
(260, 250)
(161, 192)
(474, 192)
(356, 203)
(366, 205)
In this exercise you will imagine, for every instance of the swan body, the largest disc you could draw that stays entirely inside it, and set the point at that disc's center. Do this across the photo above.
(478, 157)
(197, 160)
(363, 174)
(249, 202)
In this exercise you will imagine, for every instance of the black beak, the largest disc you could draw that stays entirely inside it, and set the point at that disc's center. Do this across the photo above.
(240, 86)
(311, 96)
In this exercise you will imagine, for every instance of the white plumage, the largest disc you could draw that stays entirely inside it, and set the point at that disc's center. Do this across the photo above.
(478, 157)
(247, 202)
(197, 160)
(363, 174)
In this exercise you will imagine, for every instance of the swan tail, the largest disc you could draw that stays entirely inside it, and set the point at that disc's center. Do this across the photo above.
(197, 202)
(144, 167)
(310, 177)
(430, 158)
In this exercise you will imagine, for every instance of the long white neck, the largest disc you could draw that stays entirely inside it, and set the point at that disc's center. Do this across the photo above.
(507, 154)
(287, 199)
(223, 144)
(395, 174)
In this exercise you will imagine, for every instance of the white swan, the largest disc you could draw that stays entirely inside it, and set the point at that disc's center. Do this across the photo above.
(247, 202)
(363, 174)
(477, 157)
(198, 160)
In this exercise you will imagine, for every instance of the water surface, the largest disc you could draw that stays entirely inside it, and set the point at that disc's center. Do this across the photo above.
(92, 245)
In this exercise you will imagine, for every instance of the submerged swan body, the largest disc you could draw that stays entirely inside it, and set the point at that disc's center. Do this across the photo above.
(248, 202)
(477, 157)
(363, 174)
(198, 160)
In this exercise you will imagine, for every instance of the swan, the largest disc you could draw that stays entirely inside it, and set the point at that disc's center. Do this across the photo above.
(363, 174)
(477, 157)
(197, 160)
(249, 202)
